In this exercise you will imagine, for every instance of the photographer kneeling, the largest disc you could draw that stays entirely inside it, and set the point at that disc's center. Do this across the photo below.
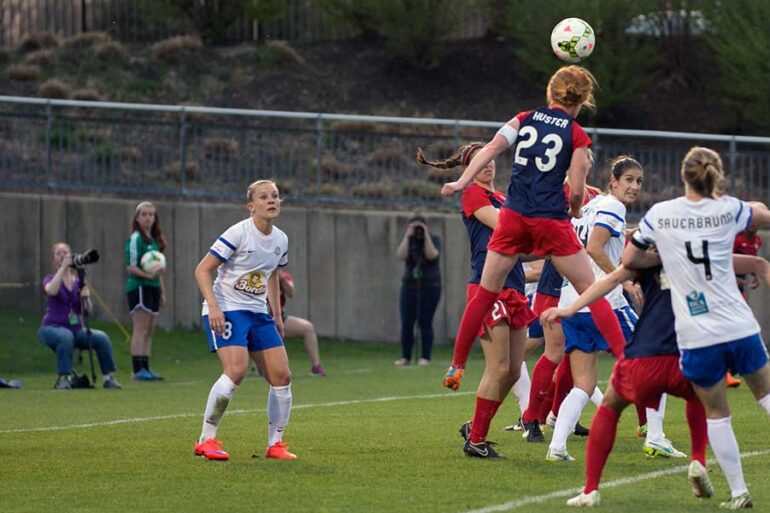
(62, 327)
(420, 287)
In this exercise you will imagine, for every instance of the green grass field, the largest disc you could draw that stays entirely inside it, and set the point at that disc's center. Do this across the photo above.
(370, 437)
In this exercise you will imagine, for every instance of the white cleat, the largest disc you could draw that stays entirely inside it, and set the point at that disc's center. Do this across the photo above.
(740, 502)
(550, 420)
(585, 500)
(699, 480)
(662, 449)
(554, 455)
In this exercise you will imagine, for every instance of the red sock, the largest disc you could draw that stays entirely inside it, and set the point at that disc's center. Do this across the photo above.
(607, 323)
(475, 311)
(482, 417)
(604, 428)
(545, 406)
(542, 376)
(564, 383)
(641, 414)
(696, 420)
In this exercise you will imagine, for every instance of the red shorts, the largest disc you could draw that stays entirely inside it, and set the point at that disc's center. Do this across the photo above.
(511, 307)
(642, 380)
(543, 302)
(516, 234)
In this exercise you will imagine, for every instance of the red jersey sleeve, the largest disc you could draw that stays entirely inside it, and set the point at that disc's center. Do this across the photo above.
(521, 116)
(473, 199)
(580, 138)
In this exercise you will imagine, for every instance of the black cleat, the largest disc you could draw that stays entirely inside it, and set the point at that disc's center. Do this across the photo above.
(481, 450)
(534, 433)
(465, 431)
(581, 430)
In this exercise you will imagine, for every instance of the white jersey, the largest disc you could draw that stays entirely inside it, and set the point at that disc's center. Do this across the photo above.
(695, 243)
(609, 213)
(248, 259)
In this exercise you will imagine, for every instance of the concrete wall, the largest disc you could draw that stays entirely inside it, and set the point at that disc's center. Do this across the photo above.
(343, 261)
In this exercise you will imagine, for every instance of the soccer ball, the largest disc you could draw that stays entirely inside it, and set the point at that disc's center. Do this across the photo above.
(153, 261)
(572, 40)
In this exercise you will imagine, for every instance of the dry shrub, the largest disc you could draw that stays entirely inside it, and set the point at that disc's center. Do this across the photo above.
(441, 149)
(391, 156)
(283, 53)
(130, 154)
(286, 187)
(354, 126)
(111, 51)
(54, 88)
(220, 147)
(376, 190)
(174, 170)
(96, 135)
(5, 56)
(331, 167)
(38, 41)
(172, 49)
(88, 94)
(87, 39)
(420, 189)
(330, 189)
(39, 58)
(24, 72)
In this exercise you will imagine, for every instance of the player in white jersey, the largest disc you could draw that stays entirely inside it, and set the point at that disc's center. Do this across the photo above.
(236, 319)
(602, 230)
(716, 330)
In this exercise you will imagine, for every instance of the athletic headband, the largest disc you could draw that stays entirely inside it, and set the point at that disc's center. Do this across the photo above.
(142, 205)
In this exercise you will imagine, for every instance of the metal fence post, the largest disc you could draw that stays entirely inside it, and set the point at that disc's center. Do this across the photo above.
(319, 126)
(183, 151)
(48, 123)
(456, 133)
(733, 160)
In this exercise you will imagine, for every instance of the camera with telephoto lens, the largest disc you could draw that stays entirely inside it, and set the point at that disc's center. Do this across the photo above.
(87, 257)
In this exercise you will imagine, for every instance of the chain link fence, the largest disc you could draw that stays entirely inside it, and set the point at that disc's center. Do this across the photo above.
(207, 153)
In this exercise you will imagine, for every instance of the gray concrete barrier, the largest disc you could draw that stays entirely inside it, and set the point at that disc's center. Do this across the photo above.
(343, 261)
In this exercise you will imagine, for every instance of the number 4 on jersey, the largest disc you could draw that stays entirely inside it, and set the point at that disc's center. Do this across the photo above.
(702, 260)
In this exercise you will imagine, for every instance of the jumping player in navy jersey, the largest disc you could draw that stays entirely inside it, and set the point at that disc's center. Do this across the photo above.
(535, 217)
(503, 334)
(649, 368)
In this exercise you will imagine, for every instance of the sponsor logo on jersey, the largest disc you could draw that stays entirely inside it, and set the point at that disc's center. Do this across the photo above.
(696, 302)
(253, 283)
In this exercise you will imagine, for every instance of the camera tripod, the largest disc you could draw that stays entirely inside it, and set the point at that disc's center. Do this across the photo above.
(84, 313)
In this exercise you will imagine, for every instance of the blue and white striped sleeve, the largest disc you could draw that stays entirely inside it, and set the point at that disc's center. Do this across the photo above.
(284, 260)
(227, 243)
(644, 237)
(612, 217)
(743, 216)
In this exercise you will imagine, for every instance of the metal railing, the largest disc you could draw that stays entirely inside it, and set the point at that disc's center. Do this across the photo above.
(203, 152)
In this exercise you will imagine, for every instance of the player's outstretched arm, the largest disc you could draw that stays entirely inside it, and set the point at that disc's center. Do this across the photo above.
(503, 139)
(747, 264)
(599, 289)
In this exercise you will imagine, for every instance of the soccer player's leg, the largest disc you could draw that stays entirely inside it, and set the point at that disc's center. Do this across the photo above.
(706, 368)
(231, 349)
(267, 350)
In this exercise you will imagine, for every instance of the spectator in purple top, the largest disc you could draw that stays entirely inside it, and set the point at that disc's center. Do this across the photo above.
(62, 327)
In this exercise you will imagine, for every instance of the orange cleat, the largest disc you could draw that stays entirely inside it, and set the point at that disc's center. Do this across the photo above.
(280, 451)
(211, 449)
(453, 377)
(732, 382)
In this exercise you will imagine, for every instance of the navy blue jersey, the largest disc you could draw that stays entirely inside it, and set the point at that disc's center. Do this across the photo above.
(654, 334)
(550, 280)
(542, 155)
(474, 197)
